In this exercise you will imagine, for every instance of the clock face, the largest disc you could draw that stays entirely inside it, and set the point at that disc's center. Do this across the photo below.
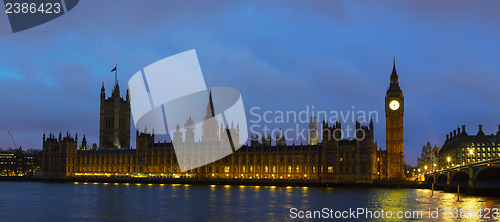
(394, 105)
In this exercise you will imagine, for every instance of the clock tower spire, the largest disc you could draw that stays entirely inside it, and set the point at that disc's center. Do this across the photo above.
(394, 111)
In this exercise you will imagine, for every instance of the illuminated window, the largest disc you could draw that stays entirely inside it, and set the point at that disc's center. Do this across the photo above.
(330, 169)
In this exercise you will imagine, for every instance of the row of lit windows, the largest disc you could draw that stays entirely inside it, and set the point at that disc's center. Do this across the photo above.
(478, 159)
(483, 154)
(107, 160)
(217, 169)
(480, 144)
(265, 169)
(483, 149)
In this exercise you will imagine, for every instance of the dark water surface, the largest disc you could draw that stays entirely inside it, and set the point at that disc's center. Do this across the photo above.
(36, 201)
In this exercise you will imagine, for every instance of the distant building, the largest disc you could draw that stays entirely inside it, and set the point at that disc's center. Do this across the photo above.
(334, 159)
(461, 148)
(429, 158)
(19, 163)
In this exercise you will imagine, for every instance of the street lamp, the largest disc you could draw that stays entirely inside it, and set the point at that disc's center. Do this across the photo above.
(471, 152)
(425, 167)
(449, 159)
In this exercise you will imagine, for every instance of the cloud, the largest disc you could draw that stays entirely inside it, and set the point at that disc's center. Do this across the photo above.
(280, 55)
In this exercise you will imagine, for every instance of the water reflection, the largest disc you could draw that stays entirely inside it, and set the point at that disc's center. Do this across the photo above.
(122, 201)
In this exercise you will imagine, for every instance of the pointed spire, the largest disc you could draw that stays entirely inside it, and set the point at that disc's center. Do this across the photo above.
(116, 91)
(103, 92)
(394, 83)
(371, 125)
(394, 74)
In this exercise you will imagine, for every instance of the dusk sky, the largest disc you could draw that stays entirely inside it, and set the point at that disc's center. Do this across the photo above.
(281, 55)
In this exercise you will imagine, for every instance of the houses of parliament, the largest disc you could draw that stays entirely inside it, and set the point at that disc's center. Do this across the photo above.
(330, 160)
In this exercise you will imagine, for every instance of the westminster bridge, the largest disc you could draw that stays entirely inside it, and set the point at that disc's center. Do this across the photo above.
(475, 178)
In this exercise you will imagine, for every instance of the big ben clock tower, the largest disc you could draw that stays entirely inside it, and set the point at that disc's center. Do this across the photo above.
(394, 111)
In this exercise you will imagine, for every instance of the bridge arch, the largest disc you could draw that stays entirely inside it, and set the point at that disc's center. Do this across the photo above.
(459, 178)
(441, 180)
(487, 177)
(429, 179)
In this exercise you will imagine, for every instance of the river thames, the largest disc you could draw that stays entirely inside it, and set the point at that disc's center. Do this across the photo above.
(37, 201)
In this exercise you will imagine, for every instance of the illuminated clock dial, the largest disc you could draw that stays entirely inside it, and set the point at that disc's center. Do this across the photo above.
(394, 105)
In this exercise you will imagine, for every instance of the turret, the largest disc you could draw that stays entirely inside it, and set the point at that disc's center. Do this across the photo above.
(371, 125)
(127, 97)
(84, 143)
(480, 132)
(103, 92)
(313, 134)
(338, 130)
(177, 135)
(116, 91)
(189, 126)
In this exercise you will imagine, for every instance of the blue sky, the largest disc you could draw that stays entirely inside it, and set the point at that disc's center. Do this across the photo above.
(283, 55)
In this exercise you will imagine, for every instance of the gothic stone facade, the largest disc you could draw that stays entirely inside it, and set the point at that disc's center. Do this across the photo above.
(331, 160)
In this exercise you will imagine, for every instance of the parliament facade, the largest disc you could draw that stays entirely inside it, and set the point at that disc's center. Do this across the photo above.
(330, 159)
